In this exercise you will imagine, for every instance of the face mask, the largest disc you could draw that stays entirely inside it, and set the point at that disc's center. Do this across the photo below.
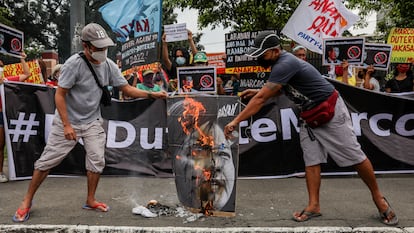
(264, 63)
(180, 61)
(402, 69)
(100, 55)
(339, 71)
(1, 72)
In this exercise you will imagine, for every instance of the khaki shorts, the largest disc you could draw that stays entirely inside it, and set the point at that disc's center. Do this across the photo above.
(58, 147)
(336, 138)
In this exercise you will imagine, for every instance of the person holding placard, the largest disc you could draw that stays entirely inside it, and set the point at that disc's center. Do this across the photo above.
(180, 56)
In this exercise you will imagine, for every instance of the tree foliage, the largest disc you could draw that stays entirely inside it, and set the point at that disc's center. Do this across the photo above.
(395, 13)
(246, 15)
(46, 23)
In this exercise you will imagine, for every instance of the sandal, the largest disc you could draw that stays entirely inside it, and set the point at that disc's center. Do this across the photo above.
(388, 217)
(21, 215)
(307, 214)
(99, 206)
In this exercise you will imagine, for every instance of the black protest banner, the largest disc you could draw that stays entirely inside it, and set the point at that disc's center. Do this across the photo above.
(135, 142)
(384, 125)
(11, 41)
(253, 80)
(137, 130)
(140, 51)
(237, 44)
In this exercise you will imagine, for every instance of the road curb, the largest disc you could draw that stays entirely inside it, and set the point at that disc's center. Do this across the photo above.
(113, 229)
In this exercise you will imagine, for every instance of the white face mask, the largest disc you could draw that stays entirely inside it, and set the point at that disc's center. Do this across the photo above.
(100, 55)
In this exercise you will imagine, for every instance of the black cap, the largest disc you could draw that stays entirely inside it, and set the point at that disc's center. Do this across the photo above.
(263, 42)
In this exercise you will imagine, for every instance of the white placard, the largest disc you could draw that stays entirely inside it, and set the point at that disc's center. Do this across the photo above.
(175, 32)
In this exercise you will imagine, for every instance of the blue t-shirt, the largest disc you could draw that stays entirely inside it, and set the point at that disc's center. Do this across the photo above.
(301, 82)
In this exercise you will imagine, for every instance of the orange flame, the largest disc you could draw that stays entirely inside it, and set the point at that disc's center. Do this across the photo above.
(192, 111)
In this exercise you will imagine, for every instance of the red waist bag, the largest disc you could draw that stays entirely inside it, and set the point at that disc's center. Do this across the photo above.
(322, 113)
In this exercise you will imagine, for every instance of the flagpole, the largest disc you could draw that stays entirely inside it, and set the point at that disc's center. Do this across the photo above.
(77, 21)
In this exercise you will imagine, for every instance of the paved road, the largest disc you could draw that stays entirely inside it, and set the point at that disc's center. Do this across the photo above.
(261, 206)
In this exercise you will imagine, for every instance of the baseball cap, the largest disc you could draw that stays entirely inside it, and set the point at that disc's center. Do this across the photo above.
(147, 72)
(200, 57)
(263, 42)
(97, 35)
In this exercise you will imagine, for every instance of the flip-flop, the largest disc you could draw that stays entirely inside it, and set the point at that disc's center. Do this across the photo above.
(308, 215)
(389, 212)
(25, 213)
(98, 207)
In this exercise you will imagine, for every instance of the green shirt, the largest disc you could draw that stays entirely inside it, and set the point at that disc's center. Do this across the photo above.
(156, 88)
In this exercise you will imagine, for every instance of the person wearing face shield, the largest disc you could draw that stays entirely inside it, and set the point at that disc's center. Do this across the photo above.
(402, 81)
(308, 89)
(78, 116)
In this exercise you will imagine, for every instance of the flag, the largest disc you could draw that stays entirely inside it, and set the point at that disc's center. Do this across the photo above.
(132, 17)
(314, 20)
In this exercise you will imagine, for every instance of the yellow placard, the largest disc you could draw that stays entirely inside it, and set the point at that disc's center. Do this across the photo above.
(402, 41)
(16, 69)
(246, 69)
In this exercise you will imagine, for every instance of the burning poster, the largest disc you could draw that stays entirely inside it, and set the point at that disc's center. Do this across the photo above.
(205, 162)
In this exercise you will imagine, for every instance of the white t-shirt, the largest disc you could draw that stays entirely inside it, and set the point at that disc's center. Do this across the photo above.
(374, 82)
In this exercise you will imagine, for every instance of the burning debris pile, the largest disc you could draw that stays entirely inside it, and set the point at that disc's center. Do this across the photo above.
(156, 209)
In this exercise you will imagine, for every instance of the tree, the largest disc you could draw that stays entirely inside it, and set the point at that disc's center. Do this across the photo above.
(37, 19)
(241, 16)
(396, 13)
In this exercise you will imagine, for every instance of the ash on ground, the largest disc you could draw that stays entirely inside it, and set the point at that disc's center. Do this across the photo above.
(156, 209)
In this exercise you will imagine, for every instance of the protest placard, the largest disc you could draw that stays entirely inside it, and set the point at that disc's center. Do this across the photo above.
(11, 41)
(336, 50)
(197, 79)
(175, 32)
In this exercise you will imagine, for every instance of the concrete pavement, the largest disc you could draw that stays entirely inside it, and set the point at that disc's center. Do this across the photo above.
(264, 205)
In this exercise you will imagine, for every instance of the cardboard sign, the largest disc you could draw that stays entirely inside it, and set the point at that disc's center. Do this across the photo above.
(139, 51)
(17, 68)
(217, 60)
(402, 42)
(11, 41)
(237, 44)
(378, 55)
(175, 32)
(338, 49)
(197, 79)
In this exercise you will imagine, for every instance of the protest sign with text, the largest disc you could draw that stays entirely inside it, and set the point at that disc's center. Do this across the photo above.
(402, 41)
(140, 51)
(175, 32)
(237, 44)
(314, 20)
(132, 17)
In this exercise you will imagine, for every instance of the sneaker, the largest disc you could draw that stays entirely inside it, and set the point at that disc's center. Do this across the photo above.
(3, 178)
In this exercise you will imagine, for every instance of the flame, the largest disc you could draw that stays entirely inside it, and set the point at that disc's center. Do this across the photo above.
(189, 120)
